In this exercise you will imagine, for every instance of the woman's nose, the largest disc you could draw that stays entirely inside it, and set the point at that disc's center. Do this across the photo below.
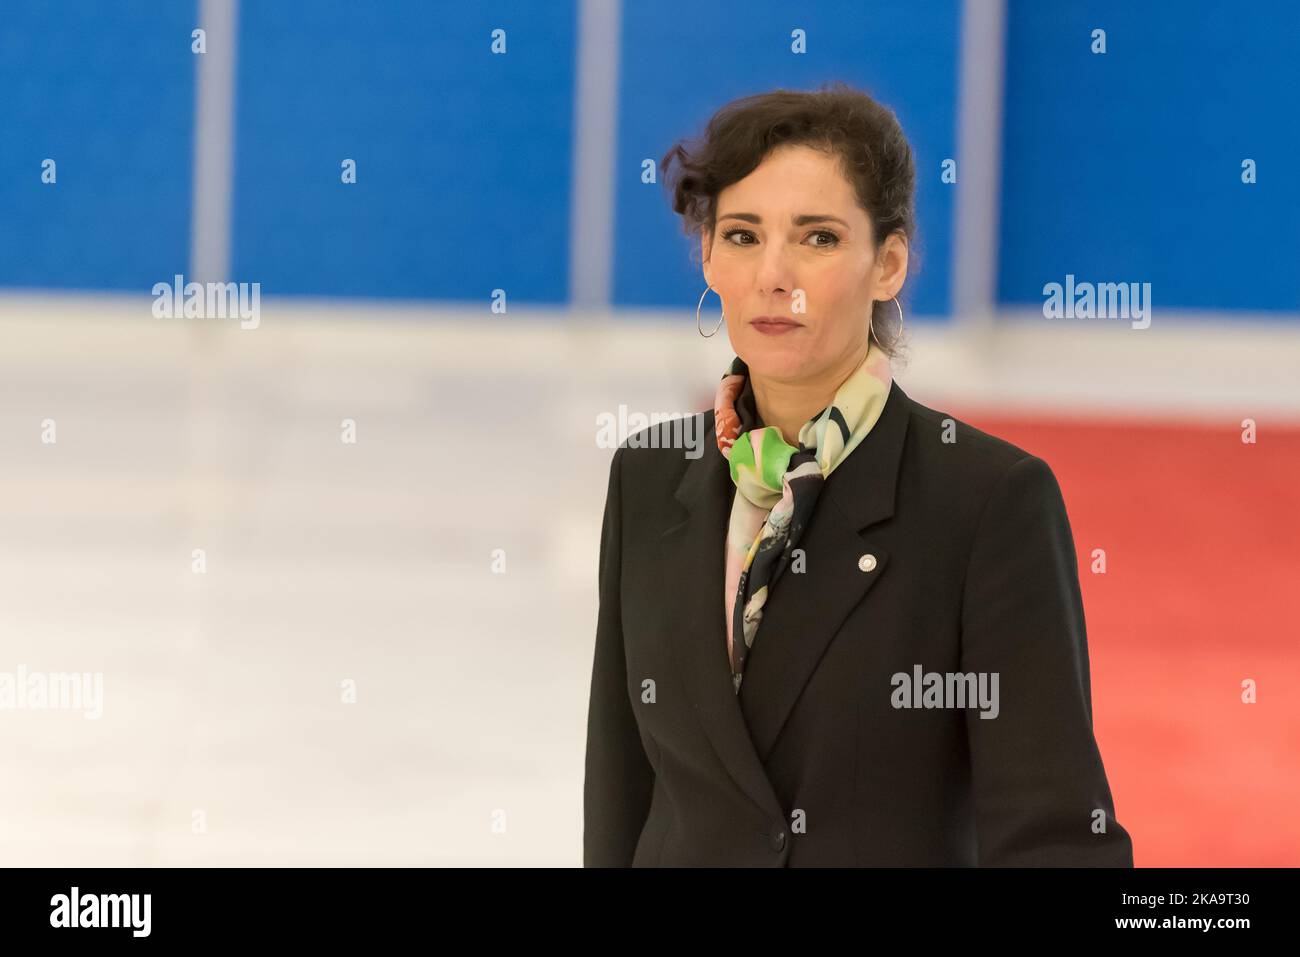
(774, 274)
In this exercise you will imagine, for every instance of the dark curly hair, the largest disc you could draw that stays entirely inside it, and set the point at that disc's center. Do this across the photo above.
(865, 135)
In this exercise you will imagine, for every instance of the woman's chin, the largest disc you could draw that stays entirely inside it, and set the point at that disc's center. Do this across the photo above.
(774, 358)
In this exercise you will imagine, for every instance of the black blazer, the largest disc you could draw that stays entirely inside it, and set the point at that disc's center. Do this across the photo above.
(812, 764)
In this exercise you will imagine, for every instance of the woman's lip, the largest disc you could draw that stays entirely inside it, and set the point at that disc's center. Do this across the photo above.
(775, 327)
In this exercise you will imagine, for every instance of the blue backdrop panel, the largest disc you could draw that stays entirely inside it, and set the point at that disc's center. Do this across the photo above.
(681, 60)
(1126, 166)
(462, 156)
(106, 90)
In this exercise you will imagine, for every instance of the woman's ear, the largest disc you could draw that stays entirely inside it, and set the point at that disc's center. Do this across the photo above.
(891, 267)
(704, 254)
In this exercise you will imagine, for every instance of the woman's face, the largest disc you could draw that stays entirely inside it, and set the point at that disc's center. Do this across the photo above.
(792, 243)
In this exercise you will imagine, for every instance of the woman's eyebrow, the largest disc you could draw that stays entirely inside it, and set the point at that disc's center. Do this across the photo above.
(802, 220)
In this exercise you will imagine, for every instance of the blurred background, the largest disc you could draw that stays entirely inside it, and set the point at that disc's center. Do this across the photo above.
(334, 561)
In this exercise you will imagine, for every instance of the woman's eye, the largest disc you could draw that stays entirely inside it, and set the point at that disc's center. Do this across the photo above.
(746, 234)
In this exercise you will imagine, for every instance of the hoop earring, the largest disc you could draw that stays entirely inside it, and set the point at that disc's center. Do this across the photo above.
(871, 332)
(698, 327)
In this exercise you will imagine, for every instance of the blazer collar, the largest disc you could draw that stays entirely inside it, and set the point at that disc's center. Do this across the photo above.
(805, 611)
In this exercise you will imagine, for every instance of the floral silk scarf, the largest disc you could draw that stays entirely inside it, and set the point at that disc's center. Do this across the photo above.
(777, 485)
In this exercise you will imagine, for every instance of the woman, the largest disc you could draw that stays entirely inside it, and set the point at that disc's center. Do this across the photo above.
(849, 633)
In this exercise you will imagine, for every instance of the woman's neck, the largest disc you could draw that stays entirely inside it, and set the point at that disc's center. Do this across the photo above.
(789, 405)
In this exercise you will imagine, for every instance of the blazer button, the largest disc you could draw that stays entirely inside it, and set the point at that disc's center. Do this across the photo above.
(867, 562)
(778, 841)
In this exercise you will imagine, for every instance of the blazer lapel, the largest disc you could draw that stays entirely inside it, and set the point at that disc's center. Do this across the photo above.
(693, 557)
(802, 615)
(806, 610)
